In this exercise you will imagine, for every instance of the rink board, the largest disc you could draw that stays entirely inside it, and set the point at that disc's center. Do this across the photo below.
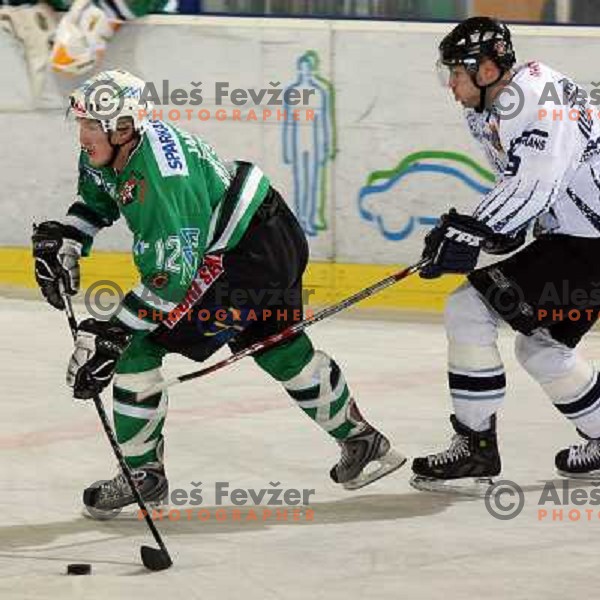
(325, 283)
(391, 148)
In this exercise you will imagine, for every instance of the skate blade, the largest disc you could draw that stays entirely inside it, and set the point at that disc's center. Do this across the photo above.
(589, 476)
(468, 486)
(376, 469)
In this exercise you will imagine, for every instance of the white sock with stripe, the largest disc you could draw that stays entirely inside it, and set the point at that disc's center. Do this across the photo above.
(477, 383)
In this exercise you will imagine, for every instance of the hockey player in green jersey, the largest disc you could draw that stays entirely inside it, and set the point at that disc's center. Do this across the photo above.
(202, 232)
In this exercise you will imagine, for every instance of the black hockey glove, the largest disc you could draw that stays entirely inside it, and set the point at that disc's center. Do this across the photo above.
(98, 347)
(453, 245)
(498, 243)
(56, 250)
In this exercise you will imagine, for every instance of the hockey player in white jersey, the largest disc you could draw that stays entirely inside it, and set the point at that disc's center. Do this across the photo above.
(548, 177)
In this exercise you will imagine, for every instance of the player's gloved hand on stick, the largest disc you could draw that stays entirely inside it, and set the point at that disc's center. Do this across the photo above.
(98, 347)
(453, 245)
(56, 250)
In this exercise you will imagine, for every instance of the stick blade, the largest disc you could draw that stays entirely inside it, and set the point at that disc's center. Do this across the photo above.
(155, 559)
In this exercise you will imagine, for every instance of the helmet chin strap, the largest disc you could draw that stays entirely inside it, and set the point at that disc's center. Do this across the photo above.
(115, 152)
(483, 89)
(116, 148)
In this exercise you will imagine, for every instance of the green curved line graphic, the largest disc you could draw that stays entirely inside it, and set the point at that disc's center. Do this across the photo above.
(408, 160)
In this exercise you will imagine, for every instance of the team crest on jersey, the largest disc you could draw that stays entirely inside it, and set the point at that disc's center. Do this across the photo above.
(132, 189)
(159, 281)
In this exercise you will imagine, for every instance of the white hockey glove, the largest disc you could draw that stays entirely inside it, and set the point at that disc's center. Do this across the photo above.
(81, 38)
(98, 347)
(56, 251)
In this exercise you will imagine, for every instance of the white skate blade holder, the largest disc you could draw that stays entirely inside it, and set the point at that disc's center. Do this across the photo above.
(465, 486)
(376, 469)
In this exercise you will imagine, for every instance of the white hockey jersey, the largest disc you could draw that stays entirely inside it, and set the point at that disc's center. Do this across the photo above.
(548, 164)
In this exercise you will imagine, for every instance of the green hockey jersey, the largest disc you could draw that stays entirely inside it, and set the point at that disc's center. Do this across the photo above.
(180, 202)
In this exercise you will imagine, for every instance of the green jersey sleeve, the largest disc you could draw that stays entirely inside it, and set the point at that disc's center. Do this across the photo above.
(94, 207)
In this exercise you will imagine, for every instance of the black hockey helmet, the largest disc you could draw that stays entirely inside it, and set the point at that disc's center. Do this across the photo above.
(476, 38)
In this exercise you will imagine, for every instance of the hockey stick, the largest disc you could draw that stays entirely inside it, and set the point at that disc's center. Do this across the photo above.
(286, 334)
(153, 559)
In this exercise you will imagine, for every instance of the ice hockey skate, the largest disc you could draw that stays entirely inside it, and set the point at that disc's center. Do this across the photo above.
(466, 467)
(580, 461)
(106, 499)
(366, 457)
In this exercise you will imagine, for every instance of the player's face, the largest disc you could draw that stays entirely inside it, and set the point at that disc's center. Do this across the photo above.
(462, 86)
(94, 141)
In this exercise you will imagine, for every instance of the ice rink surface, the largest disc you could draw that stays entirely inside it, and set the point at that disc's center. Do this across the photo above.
(385, 541)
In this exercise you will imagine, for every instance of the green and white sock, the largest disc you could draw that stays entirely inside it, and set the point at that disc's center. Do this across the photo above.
(317, 385)
(139, 425)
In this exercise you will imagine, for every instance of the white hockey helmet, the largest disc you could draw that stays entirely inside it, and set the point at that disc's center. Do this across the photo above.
(110, 95)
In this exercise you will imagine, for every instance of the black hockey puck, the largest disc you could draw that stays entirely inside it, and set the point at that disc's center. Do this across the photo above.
(79, 569)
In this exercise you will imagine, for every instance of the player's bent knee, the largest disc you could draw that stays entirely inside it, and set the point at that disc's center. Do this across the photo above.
(137, 382)
(558, 368)
(311, 374)
(542, 356)
(285, 361)
(473, 357)
(468, 319)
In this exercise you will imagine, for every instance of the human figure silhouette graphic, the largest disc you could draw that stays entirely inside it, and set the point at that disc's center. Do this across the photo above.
(308, 145)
